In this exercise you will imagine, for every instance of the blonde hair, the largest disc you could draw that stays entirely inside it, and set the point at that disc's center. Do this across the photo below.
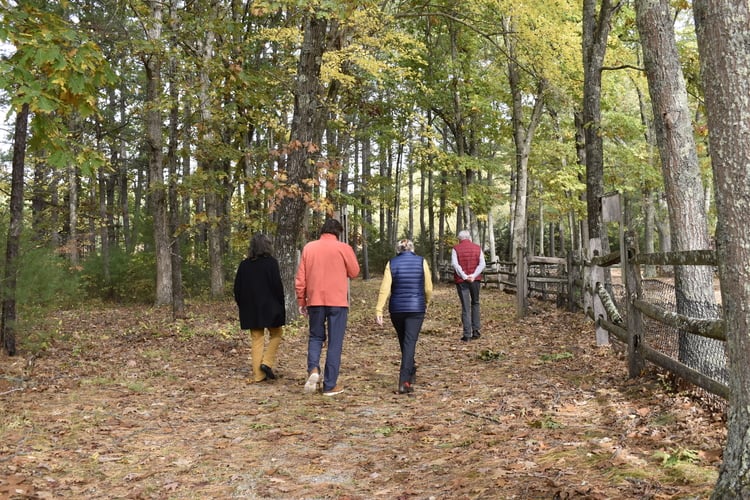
(404, 245)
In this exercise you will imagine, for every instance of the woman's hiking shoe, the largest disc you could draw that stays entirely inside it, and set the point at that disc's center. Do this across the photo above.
(312, 383)
(405, 388)
(268, 371)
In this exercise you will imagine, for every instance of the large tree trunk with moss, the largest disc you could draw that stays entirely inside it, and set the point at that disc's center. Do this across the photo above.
(722, 29)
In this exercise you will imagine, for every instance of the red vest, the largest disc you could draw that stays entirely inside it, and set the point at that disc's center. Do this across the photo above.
(468, 254)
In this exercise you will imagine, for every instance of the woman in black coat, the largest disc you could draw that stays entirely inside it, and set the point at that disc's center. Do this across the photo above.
(259, 294)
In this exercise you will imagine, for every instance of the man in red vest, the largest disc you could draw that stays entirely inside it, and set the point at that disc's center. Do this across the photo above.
(468, 263)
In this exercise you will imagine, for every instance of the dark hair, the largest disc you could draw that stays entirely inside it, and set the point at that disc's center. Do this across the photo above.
(332, 226)
(260, 245)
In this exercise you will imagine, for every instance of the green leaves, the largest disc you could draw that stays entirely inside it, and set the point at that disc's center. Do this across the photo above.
(57, 71)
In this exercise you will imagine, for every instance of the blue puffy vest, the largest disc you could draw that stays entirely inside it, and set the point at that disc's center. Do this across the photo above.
(407, 287)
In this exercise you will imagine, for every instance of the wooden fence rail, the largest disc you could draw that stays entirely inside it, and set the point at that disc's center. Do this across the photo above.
(638, 347)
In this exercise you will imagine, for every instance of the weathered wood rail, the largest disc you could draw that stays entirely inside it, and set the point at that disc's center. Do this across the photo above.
(632, 333)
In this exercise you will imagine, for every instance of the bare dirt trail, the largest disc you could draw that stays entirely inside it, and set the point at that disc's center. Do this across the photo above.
(126, 404)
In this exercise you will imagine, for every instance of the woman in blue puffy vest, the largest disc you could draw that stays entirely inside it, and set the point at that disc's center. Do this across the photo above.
(408, 282)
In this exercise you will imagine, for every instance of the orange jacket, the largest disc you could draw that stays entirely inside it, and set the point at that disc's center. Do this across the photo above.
(323, 270)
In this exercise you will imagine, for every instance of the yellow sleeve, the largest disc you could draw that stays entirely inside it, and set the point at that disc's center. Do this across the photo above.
(385, 290)
(427, 282)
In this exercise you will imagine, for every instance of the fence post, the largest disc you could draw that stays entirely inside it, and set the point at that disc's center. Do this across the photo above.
(522, 284)
(631, 273)
(571, 281)
(596, 275)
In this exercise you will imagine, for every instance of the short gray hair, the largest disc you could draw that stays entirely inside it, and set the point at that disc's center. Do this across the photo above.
(464, 234)
(404, 245)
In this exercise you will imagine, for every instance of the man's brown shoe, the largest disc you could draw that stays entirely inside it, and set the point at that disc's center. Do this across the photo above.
(332, 392)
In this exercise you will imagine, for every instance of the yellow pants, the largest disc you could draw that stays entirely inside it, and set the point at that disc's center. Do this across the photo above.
(259, 356)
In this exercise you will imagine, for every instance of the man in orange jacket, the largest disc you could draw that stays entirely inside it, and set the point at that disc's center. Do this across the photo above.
(322, 290)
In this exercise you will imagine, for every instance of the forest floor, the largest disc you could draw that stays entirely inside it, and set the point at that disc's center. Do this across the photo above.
(124, 403)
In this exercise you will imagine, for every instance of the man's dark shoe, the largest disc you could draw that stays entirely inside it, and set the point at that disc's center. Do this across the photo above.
(476, 334)
(465, 338)
(268, 371)
(405, 388)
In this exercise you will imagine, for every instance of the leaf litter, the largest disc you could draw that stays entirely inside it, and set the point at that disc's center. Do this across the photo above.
(125, 403)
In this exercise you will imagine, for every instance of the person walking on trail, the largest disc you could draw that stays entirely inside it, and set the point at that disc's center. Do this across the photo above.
(408, 281)
(468, 263)
(259, 294)
(322, 289)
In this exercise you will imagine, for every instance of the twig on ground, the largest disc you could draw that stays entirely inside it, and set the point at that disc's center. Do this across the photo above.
(12, 390)
(491, 419)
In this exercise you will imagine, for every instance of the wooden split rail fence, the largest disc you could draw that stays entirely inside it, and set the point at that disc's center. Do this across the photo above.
(631, 330)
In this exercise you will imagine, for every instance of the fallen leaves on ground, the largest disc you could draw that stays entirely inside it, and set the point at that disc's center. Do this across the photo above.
(125, 403)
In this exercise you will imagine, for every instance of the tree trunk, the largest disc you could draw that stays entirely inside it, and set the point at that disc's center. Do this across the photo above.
(682, 178)
(308, 123)
(40, 192)
(596, 27)
(178, 296)
(722, 29)
(122, 180)
(522, 137)
(104, 231)
(211, 168)
(154, 140)
(366, 205)
(73, 216)
(443, 249)
(8, 328)
(491, 229)
(464, 209)
(649, 229)
(649, 213)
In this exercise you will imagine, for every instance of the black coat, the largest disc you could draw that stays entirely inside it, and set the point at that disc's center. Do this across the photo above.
(259, 293)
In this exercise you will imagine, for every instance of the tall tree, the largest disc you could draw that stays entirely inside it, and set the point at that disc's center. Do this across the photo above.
(596, 28)
(308, 122)
(152, 62)
(208, 159)
(7, 329)
(53, 73)
(682, 177)
(523, 133)
(722, 29)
